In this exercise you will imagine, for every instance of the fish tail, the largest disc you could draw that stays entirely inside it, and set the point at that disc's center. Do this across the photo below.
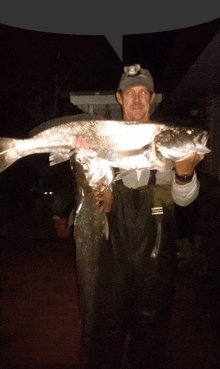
(8, 154)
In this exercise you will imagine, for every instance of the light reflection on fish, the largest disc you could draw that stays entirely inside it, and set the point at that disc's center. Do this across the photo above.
(126, 145)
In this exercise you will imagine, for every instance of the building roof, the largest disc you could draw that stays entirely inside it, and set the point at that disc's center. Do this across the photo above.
(202, 79)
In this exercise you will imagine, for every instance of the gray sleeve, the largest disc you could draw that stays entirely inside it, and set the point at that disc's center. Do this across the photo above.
(183, 195)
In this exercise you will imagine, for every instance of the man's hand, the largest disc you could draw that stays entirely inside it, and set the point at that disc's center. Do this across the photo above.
(105, 198)
(187, 166)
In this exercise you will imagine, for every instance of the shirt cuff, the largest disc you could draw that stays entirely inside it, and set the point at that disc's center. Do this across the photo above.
(183, 195)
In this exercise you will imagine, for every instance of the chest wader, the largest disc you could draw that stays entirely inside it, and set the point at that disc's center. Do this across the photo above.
(135, 287)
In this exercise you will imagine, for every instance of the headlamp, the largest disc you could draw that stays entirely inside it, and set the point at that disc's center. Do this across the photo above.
(132, 70)
(135, 75)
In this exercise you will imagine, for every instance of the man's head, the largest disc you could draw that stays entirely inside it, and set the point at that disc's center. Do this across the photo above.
(135, 93)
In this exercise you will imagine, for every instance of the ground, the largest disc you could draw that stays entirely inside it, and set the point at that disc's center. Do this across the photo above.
(41, 323)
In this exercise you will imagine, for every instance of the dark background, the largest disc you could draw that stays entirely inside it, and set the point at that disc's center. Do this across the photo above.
(38, 278)
(39, 69)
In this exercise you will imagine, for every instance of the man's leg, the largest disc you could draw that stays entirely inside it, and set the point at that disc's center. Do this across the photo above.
(106, 341)
(150, 325)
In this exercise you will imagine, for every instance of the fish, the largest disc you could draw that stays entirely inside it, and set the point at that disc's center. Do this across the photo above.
(90, 234)
(128, 145)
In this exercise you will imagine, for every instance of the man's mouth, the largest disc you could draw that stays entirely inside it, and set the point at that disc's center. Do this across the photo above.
(136, 107)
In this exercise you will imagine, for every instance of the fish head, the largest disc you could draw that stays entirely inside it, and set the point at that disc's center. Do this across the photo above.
(98, 172)
(179, 143)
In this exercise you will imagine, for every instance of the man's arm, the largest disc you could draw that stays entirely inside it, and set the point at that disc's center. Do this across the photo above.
(186, 192)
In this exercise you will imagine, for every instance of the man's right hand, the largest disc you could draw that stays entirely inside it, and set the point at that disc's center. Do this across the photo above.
(105, 199)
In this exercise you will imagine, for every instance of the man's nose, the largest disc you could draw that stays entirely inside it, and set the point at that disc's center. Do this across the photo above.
(136, 98)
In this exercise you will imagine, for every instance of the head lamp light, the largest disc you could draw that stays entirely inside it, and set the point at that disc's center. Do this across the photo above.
(132, 70)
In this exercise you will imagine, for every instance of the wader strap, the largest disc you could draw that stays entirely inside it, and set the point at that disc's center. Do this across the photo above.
(152, 179)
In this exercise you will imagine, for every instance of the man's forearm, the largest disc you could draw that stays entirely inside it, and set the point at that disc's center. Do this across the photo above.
(185, 194)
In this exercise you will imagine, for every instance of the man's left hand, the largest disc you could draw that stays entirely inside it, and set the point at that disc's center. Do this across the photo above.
(105, 198)
(187, 166)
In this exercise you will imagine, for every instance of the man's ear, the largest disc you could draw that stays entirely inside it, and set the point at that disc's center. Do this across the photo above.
(118, 97)
(152, 97)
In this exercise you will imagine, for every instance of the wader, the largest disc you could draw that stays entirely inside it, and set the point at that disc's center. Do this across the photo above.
(135, 282)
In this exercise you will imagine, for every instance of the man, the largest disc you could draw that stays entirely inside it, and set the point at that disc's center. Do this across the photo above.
(135, 95)
(135, 284)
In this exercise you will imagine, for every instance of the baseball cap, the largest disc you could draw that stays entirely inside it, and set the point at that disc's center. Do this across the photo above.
(134, 75)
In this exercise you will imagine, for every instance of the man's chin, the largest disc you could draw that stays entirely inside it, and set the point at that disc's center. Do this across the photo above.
(137, 116)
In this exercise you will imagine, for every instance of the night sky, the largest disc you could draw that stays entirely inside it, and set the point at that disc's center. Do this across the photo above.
(34, 65)
(38, 70)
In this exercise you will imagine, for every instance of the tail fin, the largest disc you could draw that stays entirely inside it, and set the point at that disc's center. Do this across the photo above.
(8, 153)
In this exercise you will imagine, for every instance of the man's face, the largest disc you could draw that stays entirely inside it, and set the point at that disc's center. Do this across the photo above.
(136, 102)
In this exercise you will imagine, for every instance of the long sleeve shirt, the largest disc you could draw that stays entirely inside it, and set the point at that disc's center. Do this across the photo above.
(183, 195)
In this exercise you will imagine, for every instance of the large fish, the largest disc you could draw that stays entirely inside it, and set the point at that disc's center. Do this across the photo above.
(126, 145)
(91, 234)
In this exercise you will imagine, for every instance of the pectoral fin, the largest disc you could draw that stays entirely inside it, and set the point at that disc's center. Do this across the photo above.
(57, 158)
(135, 151)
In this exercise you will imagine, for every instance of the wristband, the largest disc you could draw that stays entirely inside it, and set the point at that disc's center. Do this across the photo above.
(184, 177)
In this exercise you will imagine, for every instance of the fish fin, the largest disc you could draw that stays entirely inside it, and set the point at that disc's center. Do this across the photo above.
(135, 151)
(8, 154)
(57, 158)
(139, 171)
(123, 174)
